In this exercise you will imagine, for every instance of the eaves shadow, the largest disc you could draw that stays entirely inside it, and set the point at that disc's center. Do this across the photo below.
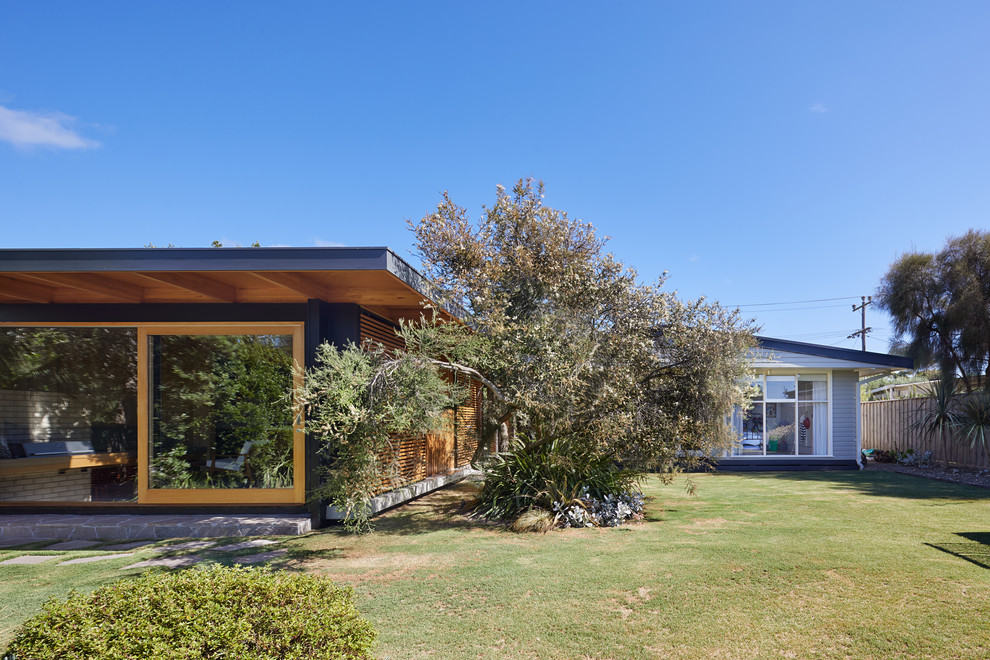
(976, 551)
(881, 484)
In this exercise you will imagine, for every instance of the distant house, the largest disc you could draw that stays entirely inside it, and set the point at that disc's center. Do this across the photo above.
(807, 415)
(150, 380)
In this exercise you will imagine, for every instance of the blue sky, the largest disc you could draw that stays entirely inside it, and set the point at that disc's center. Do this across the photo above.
(762, 153)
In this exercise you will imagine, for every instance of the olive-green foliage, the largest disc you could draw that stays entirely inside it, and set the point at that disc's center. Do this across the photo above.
(356, 401)
(218, 612)
(538, 475)
(940, 304)
(578, 346)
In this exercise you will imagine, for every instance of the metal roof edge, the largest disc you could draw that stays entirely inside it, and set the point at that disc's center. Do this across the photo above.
(108, 260)
(416, 280)
(834, 352)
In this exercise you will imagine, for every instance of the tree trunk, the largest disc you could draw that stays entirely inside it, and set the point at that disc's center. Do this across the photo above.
(503, 437)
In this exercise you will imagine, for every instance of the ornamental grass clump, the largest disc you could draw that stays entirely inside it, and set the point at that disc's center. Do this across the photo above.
(217, 612)
(577, 486)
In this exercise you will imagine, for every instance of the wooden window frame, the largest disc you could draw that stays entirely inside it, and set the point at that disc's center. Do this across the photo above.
(199, 496)
(188, 496)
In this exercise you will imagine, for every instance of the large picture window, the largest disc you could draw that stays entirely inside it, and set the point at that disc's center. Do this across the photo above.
(151, 414)
(68, 414)
(221, 413)
(789, 416)
(217, 405)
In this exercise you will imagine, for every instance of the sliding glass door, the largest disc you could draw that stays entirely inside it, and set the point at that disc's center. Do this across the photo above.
(218, 415)
(788, 417)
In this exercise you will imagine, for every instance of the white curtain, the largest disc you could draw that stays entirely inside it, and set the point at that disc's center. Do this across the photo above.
(819, 428)
(819, 392)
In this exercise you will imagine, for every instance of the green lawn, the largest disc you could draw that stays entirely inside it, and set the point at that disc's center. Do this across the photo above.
(851, 564)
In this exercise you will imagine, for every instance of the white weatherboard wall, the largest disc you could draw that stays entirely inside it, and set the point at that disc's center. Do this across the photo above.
(843, 403)
(845, 414)
(845, 368)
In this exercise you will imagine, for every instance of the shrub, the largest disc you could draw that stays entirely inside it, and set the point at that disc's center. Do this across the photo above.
(610, 511)
(552, 476)
(916, 460)
(217, 612)
(885, 455)
(906, 457)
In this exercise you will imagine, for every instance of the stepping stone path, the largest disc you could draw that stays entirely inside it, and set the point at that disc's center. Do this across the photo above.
(180, 561)
(127, 546)
(87, 560)
(28, 559)
(190, 545)
(257, 543)
(260, 557)
(166, 562)
(72, 545)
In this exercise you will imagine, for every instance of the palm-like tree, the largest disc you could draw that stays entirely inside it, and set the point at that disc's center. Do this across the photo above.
(974, 419)
(940, 418)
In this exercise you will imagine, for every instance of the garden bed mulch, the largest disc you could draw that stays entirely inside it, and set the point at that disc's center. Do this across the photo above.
(954, 475)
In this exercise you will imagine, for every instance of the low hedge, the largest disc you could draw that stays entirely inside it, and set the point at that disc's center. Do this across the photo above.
(217, 612)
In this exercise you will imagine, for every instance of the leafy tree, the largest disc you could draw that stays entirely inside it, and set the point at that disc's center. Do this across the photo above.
(940, 305)
(577, 346)
(359, 401)
(585, 364)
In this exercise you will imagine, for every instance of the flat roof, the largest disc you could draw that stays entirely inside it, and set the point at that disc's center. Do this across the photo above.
(834, 352)
(372, 276)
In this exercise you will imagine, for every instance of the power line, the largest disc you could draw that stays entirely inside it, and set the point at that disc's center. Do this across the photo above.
(795, 302)
(791, 309)
(829, 332)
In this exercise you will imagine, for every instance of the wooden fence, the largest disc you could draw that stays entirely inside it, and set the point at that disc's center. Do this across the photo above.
(887, 425)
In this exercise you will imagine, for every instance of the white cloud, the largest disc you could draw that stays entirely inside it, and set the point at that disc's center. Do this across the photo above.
(818, 107)
(693, 258)
(25, 129)
(319, 242)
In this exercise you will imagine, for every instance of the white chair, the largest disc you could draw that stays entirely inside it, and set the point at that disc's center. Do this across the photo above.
(232, 463)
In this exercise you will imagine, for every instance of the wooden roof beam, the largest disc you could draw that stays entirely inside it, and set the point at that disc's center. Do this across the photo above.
(22, 290)
(93, 283)
(296, 282)
(197, 283)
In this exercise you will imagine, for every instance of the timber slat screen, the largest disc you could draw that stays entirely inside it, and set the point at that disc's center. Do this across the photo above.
(888, 425)
(420, 456)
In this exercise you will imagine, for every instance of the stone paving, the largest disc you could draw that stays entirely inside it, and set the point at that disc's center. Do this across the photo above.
(89, 560)
(179, 561)
(166, 562)
(127, 546)
(28, 559)
(189, 545)
(260, 557)
(10, 543)
(110, 527)
(71, 545)
(257, 543)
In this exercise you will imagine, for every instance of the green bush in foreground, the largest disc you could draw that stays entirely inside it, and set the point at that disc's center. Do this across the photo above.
(217, 612)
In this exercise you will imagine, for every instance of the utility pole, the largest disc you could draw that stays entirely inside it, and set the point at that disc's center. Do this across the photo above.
(862, 307)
